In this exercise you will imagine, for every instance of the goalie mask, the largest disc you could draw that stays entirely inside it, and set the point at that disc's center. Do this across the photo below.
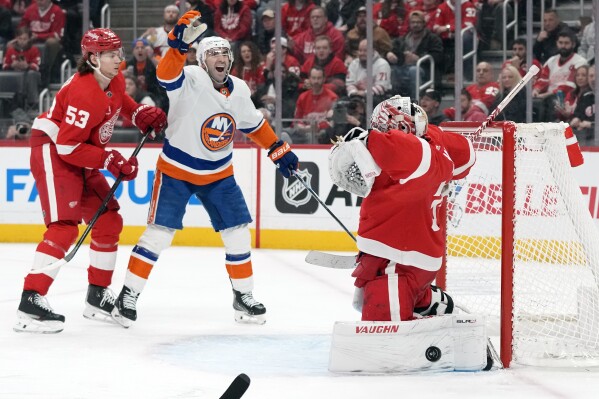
(214, 46)
(399, 113)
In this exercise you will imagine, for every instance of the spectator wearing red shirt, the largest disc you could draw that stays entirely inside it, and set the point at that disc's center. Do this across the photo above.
(429, 8)
(22, 56)
(233, 21)
(295, 16)
(470, 112)
(445, 27)
(335, 70)
(303, 43)
(392, 15)
(248, 65)
(312, 108)
(46, 23)
(483, 93)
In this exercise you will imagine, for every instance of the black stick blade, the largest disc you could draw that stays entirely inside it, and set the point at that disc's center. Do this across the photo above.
(237, 388)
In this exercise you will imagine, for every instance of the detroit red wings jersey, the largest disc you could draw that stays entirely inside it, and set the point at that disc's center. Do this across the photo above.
(399, 218)
(81, 119)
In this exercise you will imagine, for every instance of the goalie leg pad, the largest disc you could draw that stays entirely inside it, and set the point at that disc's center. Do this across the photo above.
(442, 343)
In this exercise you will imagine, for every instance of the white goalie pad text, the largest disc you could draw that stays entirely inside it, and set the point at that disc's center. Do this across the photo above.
(441, 343)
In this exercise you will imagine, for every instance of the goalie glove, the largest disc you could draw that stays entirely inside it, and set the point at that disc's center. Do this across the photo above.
(150, 120)
(284, 159)
(187, 31)
(351, 166)
(117, 164)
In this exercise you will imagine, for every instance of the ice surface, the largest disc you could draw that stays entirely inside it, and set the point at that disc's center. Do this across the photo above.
(186, 344)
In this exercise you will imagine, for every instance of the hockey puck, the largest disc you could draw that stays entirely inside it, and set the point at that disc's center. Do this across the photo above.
(432, 354)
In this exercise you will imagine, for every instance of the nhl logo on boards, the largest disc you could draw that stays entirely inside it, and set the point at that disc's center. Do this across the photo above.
(218, 131)
(291, 196)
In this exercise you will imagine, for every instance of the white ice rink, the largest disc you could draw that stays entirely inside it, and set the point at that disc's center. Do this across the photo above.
(185, 343)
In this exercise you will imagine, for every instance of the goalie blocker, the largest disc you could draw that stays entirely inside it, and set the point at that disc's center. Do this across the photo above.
(456, 342)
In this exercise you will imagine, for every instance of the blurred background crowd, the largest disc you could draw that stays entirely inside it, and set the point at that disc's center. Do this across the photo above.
(326, 77)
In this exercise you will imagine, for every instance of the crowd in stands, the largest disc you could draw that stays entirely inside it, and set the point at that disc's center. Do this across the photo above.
(324, 53)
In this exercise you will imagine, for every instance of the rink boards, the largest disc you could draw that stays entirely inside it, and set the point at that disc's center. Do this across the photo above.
(285, 215)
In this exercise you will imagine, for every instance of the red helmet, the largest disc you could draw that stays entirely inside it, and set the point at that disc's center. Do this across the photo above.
(98, 40)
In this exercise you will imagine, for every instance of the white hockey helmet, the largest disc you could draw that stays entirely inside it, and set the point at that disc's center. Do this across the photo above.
(399, 113)
(214, 45)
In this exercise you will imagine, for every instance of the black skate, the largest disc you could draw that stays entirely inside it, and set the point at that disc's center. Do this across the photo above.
(125, 309)
(99, 304)
(247, 309)
(35, 315)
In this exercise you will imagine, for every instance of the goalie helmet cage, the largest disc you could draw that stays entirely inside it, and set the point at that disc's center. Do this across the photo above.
(522, 247)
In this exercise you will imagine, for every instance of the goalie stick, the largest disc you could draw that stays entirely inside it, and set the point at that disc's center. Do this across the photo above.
(237, 388)
(323, 204)
(92, 222)
(532, 71)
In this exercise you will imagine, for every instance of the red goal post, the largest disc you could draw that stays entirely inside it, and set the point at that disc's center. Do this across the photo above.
(522, 248)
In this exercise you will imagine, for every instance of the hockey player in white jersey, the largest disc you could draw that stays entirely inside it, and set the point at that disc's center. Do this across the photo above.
(207, 107)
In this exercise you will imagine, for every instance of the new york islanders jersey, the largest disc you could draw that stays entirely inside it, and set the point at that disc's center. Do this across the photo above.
(399, 218)
(202, 122)
(81, 119)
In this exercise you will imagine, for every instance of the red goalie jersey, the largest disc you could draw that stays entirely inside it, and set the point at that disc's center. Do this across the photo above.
(399, 220)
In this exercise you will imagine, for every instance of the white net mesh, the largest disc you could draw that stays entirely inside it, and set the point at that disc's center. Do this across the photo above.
(556, 248)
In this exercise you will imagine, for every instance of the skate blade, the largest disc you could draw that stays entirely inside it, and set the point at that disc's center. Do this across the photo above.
(93, 313)
(244, 318)
(119, 319)
(26, 323)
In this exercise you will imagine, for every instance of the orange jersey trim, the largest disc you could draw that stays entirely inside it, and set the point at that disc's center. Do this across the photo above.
(264, 136)
(243, 270)
(199, 180)
(139, 267)
(171, 65)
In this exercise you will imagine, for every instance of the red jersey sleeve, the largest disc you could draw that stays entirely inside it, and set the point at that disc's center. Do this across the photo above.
(458, 147)
(398, 154)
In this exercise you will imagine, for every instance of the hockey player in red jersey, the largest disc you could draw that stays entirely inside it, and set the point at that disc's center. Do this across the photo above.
(400, 239)
(67, 150)
(207, 107)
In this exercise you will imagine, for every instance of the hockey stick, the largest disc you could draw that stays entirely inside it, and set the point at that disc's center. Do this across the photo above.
(332, 261)
(322, 203)
(237, 388)
(532, 71)
(92, 222)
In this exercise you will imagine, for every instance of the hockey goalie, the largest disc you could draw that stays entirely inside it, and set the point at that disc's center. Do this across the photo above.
(402, 167)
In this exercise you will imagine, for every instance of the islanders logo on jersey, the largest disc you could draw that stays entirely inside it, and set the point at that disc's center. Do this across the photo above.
(218, 131)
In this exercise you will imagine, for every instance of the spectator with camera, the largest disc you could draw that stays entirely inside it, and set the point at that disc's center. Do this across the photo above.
(22, 56)
(312, 109)
(347, 113)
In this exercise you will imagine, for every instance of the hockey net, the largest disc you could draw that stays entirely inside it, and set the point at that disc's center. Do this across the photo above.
(520, 210)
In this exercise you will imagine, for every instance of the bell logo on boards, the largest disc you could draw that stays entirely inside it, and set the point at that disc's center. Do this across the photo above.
(290, 194)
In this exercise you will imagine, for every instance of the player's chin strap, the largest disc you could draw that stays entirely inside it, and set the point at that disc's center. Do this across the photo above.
(97, 69)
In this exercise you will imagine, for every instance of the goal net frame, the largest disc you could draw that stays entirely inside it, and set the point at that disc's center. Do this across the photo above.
(531, 331)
